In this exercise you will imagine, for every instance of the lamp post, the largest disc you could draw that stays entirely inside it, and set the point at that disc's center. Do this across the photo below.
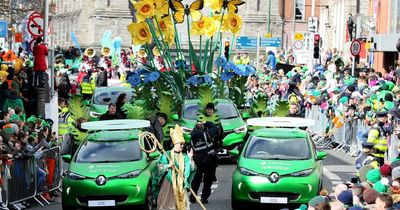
(269, 16)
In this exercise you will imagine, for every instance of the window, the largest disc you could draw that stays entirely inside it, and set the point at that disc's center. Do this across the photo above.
(258, 5)
(300, 5)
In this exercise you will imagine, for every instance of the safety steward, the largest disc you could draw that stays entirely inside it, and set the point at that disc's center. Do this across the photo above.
(378, 136)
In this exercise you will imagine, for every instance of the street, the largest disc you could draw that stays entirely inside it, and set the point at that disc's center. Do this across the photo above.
(338, 168)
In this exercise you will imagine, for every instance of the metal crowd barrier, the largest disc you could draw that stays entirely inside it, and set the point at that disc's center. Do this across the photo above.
(345, 138)
(20, 178)
(341, 138)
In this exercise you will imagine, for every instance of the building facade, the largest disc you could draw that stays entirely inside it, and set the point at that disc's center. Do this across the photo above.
(386, 16)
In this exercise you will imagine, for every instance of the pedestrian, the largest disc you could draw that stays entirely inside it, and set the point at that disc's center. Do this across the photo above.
(40, 65)
(101, 79)
(378, 136)
(205, 159)
(111, 113)
(121, 100)
(383, 202)
(350, 25)
(173, 190)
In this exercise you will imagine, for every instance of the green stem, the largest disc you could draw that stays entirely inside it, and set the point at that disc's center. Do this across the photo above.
(149, 53)
(201, 70)
(189, 41)
(166, 47)
(230, 46)
(219, 29)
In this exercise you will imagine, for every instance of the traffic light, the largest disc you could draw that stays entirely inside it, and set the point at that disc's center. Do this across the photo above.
(317, 39)
(226, 52)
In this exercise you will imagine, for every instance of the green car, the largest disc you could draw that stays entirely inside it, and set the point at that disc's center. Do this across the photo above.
(277, 166)
(235, 129)
(102, 96)
(109, 169)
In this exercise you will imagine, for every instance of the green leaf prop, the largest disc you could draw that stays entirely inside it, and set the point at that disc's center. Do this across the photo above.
(77, 108)
(206, 96)
(194, 57)
(166, 104)
(259, 107)
(78, 135)
(134, 111)
(282, 109)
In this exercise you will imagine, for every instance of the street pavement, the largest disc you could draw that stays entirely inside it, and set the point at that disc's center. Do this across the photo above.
(338, 168)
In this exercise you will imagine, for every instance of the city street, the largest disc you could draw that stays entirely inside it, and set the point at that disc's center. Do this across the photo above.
(338, 168)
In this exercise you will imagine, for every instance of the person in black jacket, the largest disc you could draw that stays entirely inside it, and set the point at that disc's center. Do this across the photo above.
(206, 161)
(111, 114)
(121, 100)
(101, 79)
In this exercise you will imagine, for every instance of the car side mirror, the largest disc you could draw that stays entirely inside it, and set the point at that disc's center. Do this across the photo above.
(245, 115)
(321, 155)
(175, 117)
(154, 155)
(67, 158)
(234, 153)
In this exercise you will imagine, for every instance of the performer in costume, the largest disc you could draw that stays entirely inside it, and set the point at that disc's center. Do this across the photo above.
(173, 190)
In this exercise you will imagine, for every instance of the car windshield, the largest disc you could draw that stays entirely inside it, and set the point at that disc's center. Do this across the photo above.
(278, 149)
(105, 97)
(108, 151)
(225, 111)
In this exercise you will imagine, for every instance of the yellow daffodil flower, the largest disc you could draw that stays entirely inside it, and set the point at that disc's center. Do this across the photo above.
(162, 8)
(145, 9)
(140, 33)
(167, 28)
(215, 5)
(224, 23)
(205, 26)
(234, 22)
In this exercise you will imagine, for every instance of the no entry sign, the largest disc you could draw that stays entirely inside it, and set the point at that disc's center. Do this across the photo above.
(36, 25)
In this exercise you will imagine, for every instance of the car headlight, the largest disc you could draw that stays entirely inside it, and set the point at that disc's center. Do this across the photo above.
(95, 114)
(247, 172)
(240, 129)
(303, 172)
(186, 130)
(75, 176)
(131, 174)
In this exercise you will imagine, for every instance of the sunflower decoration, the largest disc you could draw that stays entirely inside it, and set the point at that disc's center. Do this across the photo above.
(140, 33)
(180, 10)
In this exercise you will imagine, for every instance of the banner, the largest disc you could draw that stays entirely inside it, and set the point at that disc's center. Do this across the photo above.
(75, 40)
(3, 28)
(18, 37)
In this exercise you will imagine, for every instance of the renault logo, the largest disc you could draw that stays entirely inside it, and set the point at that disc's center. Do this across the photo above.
(273, 177)
(101, 180)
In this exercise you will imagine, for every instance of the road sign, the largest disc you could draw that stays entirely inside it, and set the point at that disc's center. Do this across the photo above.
(270, 42)
(298, 36)
(3, 28)
(312, 24)
(246, 42)
(31, 44)
(355, 47)
(36, 25)
(298, 44)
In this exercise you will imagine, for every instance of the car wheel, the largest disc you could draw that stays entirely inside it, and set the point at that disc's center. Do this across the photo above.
(235, 205)
(65, 207)
(148, 204)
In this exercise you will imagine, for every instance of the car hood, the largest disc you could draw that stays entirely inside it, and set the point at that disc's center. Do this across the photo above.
(230, 124)
(98, 108)
(282, 167)
(93, 170)
(227, 124)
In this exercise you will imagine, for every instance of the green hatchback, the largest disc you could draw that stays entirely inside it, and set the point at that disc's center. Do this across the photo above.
(235, 129)
(110, 169)
(277, 166)
(102, 96)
